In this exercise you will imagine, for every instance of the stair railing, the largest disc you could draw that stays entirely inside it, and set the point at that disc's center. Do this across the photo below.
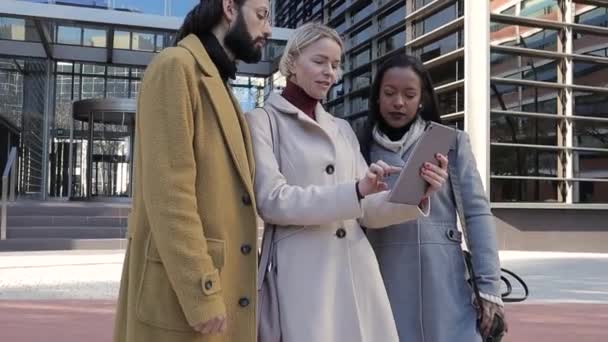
(9, 172)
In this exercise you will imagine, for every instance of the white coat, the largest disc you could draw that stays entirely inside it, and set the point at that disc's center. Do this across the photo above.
(330, 287)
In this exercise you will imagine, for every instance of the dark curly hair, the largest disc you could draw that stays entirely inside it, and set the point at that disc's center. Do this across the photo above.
(430, 105)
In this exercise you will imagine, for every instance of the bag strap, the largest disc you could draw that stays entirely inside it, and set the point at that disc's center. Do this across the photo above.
(469, 255)
(269, 230)
(452, 175)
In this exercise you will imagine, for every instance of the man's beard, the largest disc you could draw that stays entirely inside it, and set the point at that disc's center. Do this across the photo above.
(239, 41)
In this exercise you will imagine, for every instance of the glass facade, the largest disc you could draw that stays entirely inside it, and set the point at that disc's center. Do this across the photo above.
(60, 156)
(176, 8)
(549, 129)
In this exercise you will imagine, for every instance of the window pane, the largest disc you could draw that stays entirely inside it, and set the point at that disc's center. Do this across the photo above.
(69, 35)
(64, 67)
(447, 72)
(439, 47)
(541, 9)
(590, 164)
(143, 41)
(118, 71)
(336, 91)
(391, 43)
(590, 134)
(95, 38)
(92, 87)
(160, 42)
(451, 101)
(589, 44)
(532, 99)
(360, 58)
(12, 28)
(591, 104)
(359, 104)
(590, 192)
(392, 17)
(117, 88)
(135, 88)
(436, 20)
(122, 40)
(537, 38)
(361, 36)
(512, 190)
(520, 161)
(523, 130)
(456, 123)
(93, 69)
(593, 16)
(362, 79)
(591, 74)
(363, 13)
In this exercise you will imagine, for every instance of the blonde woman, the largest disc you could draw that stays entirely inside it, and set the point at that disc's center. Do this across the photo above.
(319, 196)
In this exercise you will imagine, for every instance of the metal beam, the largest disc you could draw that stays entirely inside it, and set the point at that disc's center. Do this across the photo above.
(18, 66)
(547, 24)
(45, 38)
(599, 3)
(20, 49)
(428, 9)
(548, 54)
(110, 45)
(437, 33)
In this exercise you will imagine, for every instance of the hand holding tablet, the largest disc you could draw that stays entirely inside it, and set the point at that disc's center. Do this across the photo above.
(411, 187)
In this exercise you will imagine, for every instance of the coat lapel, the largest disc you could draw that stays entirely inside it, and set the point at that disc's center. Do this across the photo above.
(228, 112)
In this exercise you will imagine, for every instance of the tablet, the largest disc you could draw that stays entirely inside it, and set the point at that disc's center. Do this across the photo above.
(410, 187)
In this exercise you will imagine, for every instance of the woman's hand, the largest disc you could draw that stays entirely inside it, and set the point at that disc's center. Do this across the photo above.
(373, 181)
(435, 175)
(487, 317)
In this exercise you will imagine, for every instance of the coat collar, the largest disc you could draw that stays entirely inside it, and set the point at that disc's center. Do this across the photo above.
(282, 105)
(227, 109)
(196, 48)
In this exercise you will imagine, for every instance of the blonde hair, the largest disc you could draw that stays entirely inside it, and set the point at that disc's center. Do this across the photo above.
(303, 37)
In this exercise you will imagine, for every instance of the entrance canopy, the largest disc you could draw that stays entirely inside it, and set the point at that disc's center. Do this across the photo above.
(116, 111)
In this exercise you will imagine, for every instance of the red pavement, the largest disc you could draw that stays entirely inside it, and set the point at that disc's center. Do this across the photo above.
(91, 321)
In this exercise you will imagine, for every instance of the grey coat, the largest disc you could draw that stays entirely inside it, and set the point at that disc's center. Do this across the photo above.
(421, 261)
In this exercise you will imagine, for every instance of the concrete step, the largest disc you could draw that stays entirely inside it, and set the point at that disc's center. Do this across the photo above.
(97, 209)
(45, 244)
(66, 221)
(87, 232)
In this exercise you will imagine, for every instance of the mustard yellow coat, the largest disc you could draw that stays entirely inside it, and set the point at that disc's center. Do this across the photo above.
(192, 230)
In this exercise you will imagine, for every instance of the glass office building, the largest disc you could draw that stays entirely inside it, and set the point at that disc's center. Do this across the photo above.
(69, 75)
(527, 79)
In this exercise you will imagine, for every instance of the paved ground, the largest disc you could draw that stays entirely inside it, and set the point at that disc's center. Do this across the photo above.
(69, 296)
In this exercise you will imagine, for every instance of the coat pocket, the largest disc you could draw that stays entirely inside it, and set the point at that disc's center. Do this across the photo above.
(157, 303)
(215, 247)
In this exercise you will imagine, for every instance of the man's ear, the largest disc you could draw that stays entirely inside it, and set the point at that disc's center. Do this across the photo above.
(230, 10)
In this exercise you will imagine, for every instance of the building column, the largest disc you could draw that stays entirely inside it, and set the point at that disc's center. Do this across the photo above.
(49, 109)
(477, 83)
(565, 106)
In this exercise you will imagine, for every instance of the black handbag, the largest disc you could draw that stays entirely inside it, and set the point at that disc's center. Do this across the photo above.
(497, 330)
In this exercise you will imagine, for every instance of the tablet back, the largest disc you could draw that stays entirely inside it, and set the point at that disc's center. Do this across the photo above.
(410, 186)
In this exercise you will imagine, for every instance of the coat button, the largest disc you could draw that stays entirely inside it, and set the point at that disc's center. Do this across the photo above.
(330, 169)
(245, 249)
(341, 233)
(244, 302)
(208, 285)
(246, 199)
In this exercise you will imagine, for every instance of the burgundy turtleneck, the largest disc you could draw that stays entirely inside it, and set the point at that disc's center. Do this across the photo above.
(299, 98)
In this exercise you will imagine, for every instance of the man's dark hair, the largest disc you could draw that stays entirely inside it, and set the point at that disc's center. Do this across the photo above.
(203, 18)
